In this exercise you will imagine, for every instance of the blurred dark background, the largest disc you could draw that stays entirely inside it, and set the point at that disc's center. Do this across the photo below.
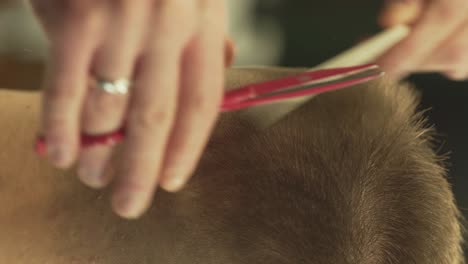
(315, 31)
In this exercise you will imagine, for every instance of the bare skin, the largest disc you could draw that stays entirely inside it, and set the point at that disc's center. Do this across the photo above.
(438, 40)
(173, 51)
(348, 178)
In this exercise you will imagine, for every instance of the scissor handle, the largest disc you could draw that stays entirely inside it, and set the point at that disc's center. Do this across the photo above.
(254, 94)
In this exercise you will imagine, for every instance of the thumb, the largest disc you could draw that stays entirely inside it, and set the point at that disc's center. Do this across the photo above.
(400, 12)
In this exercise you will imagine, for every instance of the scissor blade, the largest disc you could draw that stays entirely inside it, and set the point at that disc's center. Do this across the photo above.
(261, 89)
(308, 88)
(318, 84)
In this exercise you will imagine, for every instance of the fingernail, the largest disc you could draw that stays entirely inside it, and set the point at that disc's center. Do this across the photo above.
(91, 175)
(127, 205)
(58, 155)
(173, 184)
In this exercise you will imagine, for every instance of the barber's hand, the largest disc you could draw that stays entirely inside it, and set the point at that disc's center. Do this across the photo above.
(172, 50)
(438, 42)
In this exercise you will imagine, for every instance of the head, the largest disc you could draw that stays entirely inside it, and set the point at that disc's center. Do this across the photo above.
(350, 177)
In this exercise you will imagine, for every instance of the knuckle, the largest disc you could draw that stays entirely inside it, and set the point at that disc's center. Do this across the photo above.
(171, 13)
(150, 119)
(453, 9)
(164, 6)
(457, 57)
(77, 7)
(123, 3)
(130, 6)
(200, 104)
(56, 122)
(204, 4)
(212, 6)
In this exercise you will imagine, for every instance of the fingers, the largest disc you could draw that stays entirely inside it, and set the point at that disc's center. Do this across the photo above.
(105, 46)
(457, 75)
(65, 86)
(434, 26)
(199, 99)
(400, 12)
(151, 110)
(103, 112)
(452, 57)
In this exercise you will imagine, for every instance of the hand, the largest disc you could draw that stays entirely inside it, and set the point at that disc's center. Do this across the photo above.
(172, 50)
(438, 42)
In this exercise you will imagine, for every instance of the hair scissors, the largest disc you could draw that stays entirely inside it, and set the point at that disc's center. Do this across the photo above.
(304, 84)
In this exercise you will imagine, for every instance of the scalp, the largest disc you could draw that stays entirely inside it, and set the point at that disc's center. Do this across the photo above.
(350, 177)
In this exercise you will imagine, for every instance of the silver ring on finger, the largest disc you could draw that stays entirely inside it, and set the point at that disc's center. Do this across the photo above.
(120, 86)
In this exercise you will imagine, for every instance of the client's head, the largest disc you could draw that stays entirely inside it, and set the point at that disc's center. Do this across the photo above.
(350, 177)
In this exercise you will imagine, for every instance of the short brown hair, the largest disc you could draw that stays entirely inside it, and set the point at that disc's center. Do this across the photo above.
(351, 177)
